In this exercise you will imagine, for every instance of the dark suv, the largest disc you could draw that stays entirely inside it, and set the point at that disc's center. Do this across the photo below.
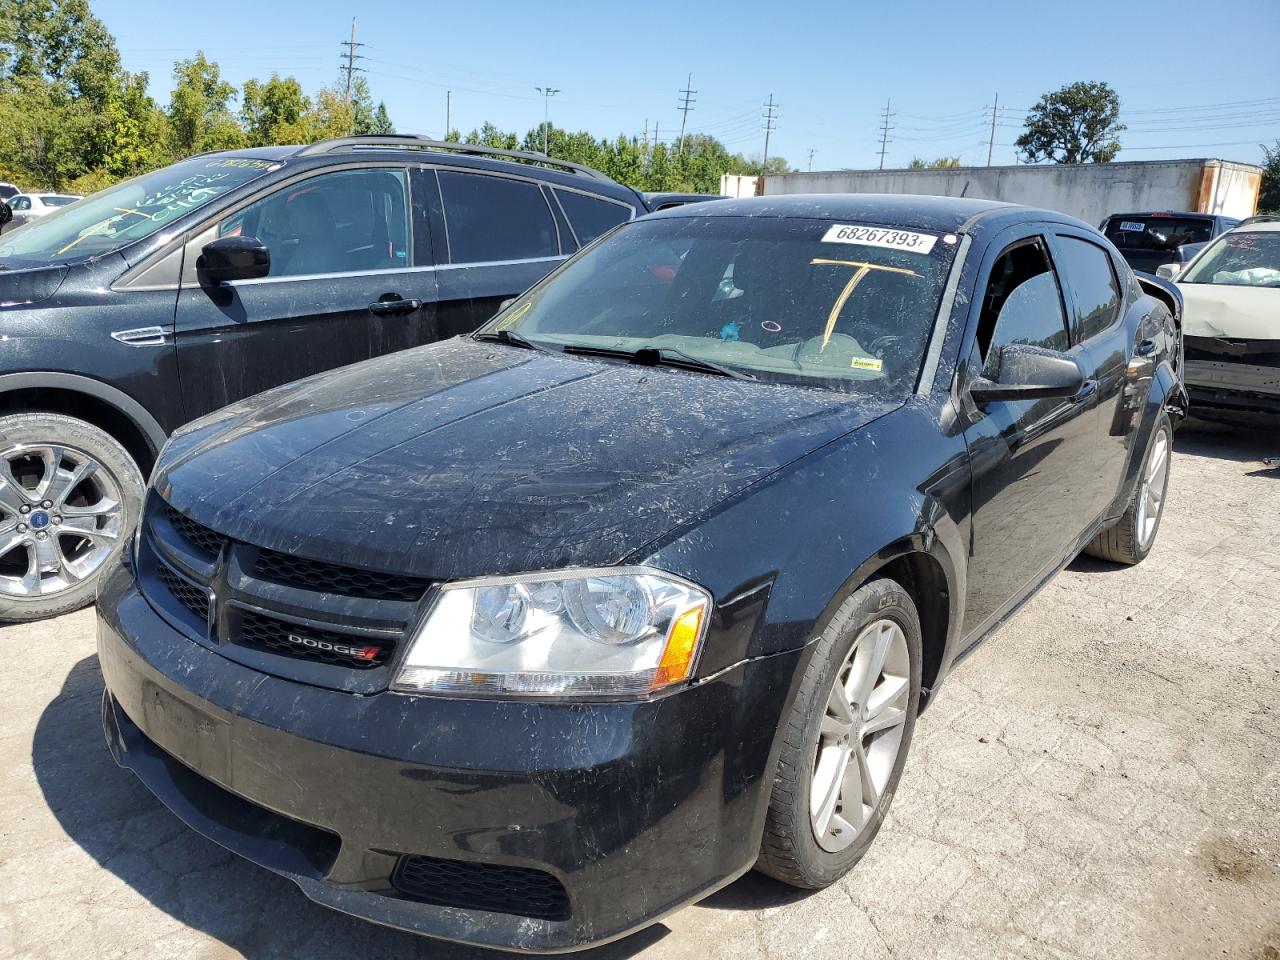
(158, 300)
(1150, 240)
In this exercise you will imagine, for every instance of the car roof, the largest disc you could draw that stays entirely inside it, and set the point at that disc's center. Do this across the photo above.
(953, 214)
(1258, 226)
(1166, 213)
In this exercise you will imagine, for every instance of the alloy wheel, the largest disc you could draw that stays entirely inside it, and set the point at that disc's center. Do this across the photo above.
(61, 516)
(1151, 493)
(860, 735)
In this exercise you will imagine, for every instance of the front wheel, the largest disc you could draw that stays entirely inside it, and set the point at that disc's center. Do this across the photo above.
(69, 497)
(845, 740)
(1131, 538)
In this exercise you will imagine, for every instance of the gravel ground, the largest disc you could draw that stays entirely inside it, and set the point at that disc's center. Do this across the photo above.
(1101, 779)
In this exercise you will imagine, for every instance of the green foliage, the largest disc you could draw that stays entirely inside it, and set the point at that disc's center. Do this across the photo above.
(273, 112)
(1076, 124)
(1269, 192)
(200, 108)
(942, 163)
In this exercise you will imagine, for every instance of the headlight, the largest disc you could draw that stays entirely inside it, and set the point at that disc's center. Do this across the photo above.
(614, 631)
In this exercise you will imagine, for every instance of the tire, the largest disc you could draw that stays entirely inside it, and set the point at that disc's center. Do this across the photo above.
(1131, 538)
(791, 849)
(60, 476)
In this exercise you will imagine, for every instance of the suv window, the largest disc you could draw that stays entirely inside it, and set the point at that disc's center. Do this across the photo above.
(495, 218)
(1022, 305)
(350, 220)
(1093, 281)
(591, 216)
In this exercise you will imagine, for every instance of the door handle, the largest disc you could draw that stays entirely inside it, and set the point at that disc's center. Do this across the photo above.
(1087, 390)
(394, 307)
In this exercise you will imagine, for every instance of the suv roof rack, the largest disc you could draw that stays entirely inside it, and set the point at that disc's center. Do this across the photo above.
(409, 141)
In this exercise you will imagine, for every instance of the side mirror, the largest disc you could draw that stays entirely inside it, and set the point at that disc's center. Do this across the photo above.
(1030, 373)
(506, 303)
(1169, 271)
(233, 258)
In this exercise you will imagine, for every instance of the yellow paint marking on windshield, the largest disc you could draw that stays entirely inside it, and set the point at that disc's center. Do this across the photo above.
(98, 228)
(863, 269)
(516, 315)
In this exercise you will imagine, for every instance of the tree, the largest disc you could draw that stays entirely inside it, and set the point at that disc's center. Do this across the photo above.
(60, 41)
(200, 108)
(1269, 192)
(1076, 124)
(138, 137)
(272, 112)
(365, 117)
(942, 163)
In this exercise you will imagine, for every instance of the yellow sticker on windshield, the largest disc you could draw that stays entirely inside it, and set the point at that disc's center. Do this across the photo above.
(867, 363)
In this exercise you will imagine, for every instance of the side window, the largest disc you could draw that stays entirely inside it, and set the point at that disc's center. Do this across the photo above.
(1093, 281)
(20, 203)
(591, 216)
(495, 218)
(351, 220)
(1021, 305)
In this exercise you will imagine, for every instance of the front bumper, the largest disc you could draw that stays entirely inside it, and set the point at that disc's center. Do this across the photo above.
(1238, 375)
(634, 808)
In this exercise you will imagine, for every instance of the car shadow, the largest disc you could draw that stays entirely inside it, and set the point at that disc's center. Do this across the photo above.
(1221, 441)
(116, 820)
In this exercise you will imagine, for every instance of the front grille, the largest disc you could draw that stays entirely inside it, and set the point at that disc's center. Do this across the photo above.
(194, 598)
(482, 886)
(197, 534)
(332, 578)
(324, 646)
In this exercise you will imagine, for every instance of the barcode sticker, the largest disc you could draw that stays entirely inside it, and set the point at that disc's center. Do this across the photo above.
(880, 237)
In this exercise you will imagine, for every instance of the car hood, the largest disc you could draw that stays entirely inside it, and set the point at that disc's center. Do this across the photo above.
(1229, 310)
(25, 286)
(468, 458)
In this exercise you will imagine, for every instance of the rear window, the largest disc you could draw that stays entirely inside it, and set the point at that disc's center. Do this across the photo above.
(58, 201)
(1157, 232)
(591, 216)
(496, 218)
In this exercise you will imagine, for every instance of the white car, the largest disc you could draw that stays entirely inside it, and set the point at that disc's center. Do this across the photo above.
(1231, 321)
(28, 206)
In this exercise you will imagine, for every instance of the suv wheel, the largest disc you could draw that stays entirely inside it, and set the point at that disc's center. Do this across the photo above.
(69, 498)
(846, 739)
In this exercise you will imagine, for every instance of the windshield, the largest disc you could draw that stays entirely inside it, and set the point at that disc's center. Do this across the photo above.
(128, 211)
(1248, 258)
(1157, 232)
(843, 306)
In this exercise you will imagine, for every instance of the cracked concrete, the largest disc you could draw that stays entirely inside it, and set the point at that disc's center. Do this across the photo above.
(1100, 780)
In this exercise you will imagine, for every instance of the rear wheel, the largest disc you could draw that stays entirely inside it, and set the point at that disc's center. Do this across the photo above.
(846, 739)
(1134, 534)
(69, 497)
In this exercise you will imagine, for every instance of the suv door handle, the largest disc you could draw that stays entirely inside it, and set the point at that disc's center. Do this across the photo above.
(1087, 390)
(394, 307)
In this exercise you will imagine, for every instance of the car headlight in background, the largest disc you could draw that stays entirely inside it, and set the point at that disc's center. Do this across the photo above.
(615, 631)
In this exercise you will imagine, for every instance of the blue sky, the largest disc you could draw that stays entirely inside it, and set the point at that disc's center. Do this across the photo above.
(1194, 80)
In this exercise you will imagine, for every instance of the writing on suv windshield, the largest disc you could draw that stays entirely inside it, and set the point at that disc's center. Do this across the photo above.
(1249, 258)
(129, 211)
(843, 306)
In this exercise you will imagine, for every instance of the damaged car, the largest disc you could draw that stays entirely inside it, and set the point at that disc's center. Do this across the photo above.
(1231, 323)
(527, 638)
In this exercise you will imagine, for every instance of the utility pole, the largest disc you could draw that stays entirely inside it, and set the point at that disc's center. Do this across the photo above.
(448, 113)
(811, 153)
(995, 112)
(547, 94)
(686, 104)
(885, 127)
(770, 115)
(350, 68)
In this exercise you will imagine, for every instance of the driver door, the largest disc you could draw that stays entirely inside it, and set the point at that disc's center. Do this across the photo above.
(1032, 460)
(342, 287)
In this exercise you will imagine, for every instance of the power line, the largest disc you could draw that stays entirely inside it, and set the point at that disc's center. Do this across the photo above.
(885, 127)
(770, 117)
(811, 153)
(351, 57)
(995, 111)
(686, 104)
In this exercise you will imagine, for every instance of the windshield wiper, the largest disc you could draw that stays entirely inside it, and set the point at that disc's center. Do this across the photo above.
(513, 339)
(661, 357)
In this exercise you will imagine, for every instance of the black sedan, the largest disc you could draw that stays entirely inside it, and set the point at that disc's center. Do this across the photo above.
(527, 638)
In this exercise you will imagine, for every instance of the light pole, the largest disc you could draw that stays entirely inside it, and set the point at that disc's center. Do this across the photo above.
(547, 94)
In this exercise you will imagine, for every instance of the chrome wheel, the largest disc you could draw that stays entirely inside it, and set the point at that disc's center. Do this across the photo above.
(1151, 493)
(861, 735)
(61, 516)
